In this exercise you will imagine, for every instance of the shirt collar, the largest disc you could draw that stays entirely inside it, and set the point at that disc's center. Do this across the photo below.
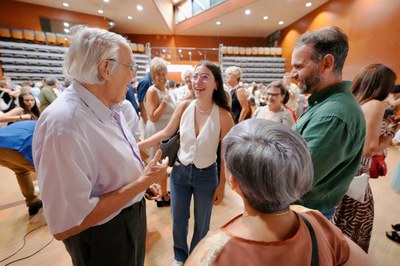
(99, 109)
(342, 87)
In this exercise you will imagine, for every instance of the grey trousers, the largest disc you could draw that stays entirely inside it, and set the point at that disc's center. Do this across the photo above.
(120, 241)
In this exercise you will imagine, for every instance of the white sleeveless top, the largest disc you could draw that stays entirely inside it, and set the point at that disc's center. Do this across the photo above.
(200, 150)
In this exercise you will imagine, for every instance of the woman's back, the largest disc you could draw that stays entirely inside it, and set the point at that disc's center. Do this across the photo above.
(223, 247)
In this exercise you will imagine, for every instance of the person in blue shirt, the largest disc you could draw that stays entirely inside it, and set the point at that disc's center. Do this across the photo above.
(16, 154)
(143, 86)
(130, 96)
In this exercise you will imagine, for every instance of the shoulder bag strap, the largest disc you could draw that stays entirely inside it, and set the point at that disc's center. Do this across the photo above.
(314, 254)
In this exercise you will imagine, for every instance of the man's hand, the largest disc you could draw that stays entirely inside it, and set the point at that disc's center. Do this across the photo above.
(153, 192)
(156, 170)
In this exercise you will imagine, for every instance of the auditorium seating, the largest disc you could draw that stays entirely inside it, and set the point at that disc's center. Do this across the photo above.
(258, 64)
(31, 61)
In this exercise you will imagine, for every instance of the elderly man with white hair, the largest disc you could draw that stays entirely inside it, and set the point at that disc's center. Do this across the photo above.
(91, 176)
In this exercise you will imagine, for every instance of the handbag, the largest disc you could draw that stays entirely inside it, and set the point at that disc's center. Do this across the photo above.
(170, 147)
(358, 187)
(378, 166)
(395, 183)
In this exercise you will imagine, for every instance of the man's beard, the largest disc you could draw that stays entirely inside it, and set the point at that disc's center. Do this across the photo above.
(311, 82)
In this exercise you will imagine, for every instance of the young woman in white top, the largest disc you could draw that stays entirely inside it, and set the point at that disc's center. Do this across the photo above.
(202, 123)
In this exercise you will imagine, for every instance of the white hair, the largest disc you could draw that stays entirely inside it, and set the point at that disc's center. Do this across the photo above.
(89, 47)
(187, 72)
(270, 162)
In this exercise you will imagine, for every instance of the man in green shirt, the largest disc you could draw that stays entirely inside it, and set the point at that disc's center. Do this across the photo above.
(333, 125)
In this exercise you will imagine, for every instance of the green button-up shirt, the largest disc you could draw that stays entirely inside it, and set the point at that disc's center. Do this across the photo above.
(334, 127)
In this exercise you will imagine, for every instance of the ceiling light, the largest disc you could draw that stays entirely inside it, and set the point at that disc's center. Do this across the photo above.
(66, 30)
(218, 22)
(139, 7)
(106, 1)
(281, 22)
(66, 4)
(265, 17)
(189, 52)
(100, 11)
(180, 50)
(130, 17)
(247, 12)
(308, 4)
(66, 24)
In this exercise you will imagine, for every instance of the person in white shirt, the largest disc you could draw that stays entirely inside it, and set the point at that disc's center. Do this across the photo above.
(91, 177)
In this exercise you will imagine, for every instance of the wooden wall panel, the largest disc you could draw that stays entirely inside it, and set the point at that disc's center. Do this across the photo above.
(372, 27)
(26, 16)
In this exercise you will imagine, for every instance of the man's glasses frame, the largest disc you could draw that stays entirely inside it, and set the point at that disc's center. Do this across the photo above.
(132, 67)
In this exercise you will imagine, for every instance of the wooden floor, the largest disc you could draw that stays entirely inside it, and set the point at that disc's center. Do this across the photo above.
(15, 224)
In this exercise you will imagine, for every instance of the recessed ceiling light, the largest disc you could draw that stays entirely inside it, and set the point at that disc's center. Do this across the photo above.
(308, 4)
(66, 24)
(66, 4)
(106, 1)
(180, 50)
(66, 30)
(218, 22)
(247, 12)
(265, 17)
(130, 17)
(100, 11)
(139, 7)
(281, 22)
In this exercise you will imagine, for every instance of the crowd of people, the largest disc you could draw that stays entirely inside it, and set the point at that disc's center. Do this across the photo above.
(290, 151)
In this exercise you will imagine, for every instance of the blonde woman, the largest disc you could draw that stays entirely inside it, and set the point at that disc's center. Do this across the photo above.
(239, 103)
(159, 108)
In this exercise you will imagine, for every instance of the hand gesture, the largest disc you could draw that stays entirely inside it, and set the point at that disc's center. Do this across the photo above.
(166, 98)
(155, 171)
(153, 192)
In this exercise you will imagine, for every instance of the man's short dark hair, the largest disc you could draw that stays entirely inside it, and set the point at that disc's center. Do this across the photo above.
(329, 40)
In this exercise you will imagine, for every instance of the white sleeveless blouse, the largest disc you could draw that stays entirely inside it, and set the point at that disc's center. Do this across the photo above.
(200, 150)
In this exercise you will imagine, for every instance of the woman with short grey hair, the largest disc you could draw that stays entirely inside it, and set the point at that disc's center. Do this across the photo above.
(269, 166)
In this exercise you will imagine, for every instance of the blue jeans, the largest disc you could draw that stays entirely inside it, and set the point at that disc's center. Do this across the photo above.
(329, 213)
(185, 182)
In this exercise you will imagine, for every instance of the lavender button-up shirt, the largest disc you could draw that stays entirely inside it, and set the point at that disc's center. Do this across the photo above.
(80, 153)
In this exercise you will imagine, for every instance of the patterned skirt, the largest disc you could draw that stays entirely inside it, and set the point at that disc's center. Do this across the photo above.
(354, 218)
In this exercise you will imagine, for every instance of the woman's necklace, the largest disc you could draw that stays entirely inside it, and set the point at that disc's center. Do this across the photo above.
(278, 213)
(203, 111)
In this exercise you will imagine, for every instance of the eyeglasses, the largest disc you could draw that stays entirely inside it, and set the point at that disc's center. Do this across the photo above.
(132, 67)
(201, 78)
(273, 94)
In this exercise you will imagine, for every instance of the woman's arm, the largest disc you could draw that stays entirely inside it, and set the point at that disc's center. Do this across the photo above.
(357, 255)
(242, 98)
(374, 142)
(226, 123)
(154, 107)
(168, 131)
(14, 115)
